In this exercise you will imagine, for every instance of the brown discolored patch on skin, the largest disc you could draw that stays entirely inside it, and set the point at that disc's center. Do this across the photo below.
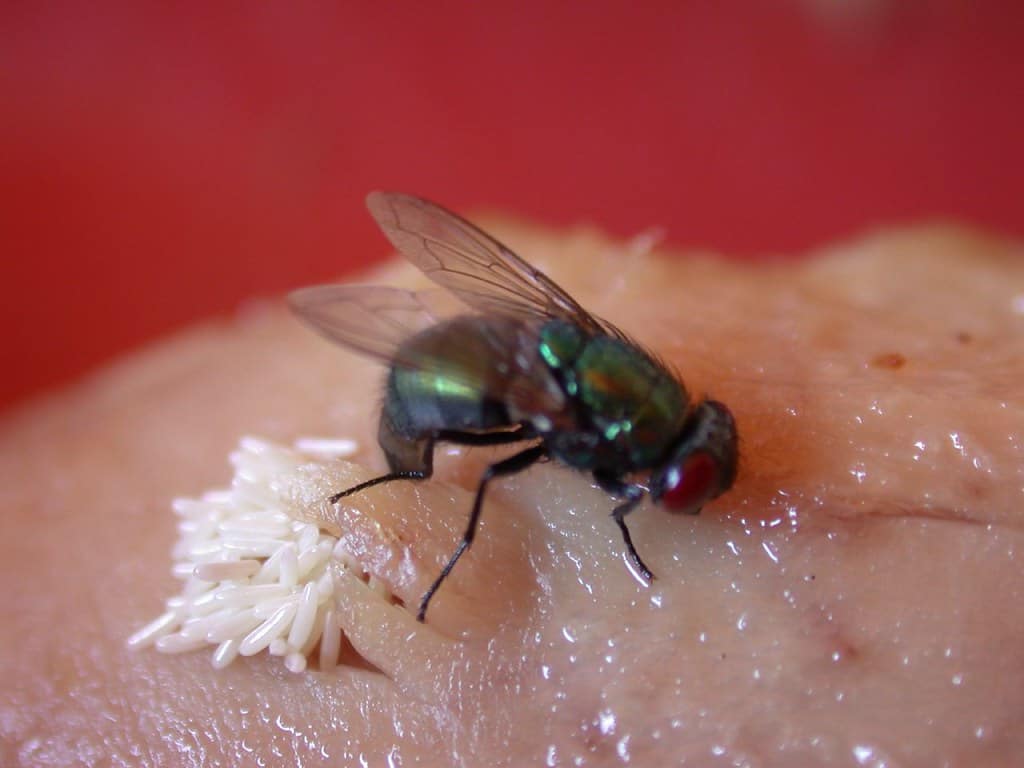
(875, 517)
(892, 361)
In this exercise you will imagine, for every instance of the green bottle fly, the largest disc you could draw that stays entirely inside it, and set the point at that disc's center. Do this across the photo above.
(525, 364)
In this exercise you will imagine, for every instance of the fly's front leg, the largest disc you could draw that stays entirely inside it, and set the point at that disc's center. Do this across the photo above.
(633, 495)
(509, 466)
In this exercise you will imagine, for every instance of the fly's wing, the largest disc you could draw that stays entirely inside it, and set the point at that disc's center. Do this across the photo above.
(474, 266)
(378, 321)
(371, 319)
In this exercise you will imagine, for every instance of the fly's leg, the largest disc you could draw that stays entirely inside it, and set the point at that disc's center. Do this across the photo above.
(618, 514)
(412, 475)
(423, 455)
(500, 437)
(509, 466)
(633, 494)
(410, 456)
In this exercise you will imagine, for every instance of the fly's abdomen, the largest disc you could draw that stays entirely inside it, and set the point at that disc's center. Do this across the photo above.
(449, 377)
(442, 379)
(419, 402)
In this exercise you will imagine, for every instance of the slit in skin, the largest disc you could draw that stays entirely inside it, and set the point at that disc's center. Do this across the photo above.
(895, 511)
(348, 656)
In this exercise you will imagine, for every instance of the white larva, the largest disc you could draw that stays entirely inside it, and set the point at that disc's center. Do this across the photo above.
(261, 637)
(330, 642)
(245, 597)
(252, 578)
(179, 643)
(295, 662)
(332, 448)
(289, 567)
(304, 617)
(226, 653)
(236, 626)
(230, 571)
(155, 629)
(267, 608)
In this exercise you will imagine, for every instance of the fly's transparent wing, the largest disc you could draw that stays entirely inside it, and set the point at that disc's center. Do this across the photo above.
(474, 266)
(371, 319)
(496, 357)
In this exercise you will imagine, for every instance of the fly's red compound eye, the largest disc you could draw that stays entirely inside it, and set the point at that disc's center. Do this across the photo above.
(692, 484)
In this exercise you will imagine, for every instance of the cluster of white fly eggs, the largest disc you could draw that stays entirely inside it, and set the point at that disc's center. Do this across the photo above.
(253, 577)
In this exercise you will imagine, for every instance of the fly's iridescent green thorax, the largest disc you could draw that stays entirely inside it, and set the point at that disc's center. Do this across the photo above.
(631, 404)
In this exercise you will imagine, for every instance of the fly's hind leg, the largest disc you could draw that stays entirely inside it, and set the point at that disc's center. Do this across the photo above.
(410, 475)
(409, 458)
(414, 459)
(509, 466)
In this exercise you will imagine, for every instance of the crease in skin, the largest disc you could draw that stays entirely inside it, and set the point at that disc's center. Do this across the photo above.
(372, 626)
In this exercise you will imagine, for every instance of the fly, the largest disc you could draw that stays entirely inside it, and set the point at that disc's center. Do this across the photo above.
(524, 364)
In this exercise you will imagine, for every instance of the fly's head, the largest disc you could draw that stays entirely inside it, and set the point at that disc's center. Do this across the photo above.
(702, 464)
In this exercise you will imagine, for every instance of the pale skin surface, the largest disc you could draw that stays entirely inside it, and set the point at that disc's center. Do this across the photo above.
(855, 600)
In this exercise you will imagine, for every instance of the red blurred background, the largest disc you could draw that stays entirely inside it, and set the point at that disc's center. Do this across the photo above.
(162, 163)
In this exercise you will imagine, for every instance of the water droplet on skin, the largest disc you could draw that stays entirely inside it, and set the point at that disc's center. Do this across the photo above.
(622, 748)
(862, 754)
(606, 722)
